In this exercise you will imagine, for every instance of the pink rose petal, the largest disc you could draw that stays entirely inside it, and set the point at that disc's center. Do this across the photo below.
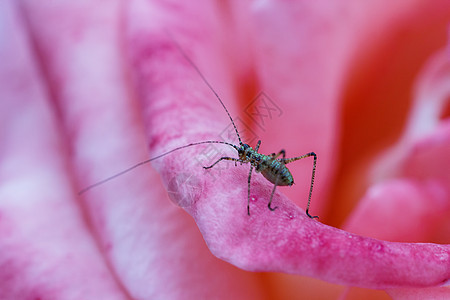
(144, 246)
(282, 241)
(419, 294)
(47, 250)
(138, 232)
(416, 206)
(402, 211)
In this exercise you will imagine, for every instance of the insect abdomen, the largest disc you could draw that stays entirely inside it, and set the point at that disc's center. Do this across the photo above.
(277, 173)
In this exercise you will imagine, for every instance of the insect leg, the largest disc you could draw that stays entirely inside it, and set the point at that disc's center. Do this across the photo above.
(249, 179)
(282, 152)
(271, 196)
(223, 158)
(257, 146)
(248, 194)
(288, 160)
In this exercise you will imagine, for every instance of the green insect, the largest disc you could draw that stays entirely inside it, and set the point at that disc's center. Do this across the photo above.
(270, 166)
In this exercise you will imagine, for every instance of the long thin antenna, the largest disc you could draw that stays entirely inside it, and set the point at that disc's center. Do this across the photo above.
(206, 82)
(149, 160)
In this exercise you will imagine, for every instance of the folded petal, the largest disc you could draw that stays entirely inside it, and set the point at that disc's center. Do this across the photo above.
(285, 240)
(401, 210)
(419, 161)
(153, 249)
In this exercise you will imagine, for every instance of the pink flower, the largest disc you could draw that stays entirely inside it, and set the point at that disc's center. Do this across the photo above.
(88, 89)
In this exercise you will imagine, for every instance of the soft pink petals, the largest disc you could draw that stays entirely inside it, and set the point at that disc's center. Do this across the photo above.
(419, 294)
(284, 240)
(47, 251)
(145, 246)
(88, 89)
(415, 206)
(410, 202)
(401, 211)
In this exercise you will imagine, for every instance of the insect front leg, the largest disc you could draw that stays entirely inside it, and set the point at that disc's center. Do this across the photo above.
(223, 158)
(289, 160)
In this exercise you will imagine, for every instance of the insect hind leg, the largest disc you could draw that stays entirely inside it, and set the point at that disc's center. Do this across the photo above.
(289, 160)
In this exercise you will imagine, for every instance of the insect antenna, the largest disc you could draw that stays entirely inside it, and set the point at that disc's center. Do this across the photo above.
(182, 147)
(207, 83)
(149, 160)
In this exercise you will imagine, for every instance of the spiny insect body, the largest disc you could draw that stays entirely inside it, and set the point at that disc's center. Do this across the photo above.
(270, 166)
